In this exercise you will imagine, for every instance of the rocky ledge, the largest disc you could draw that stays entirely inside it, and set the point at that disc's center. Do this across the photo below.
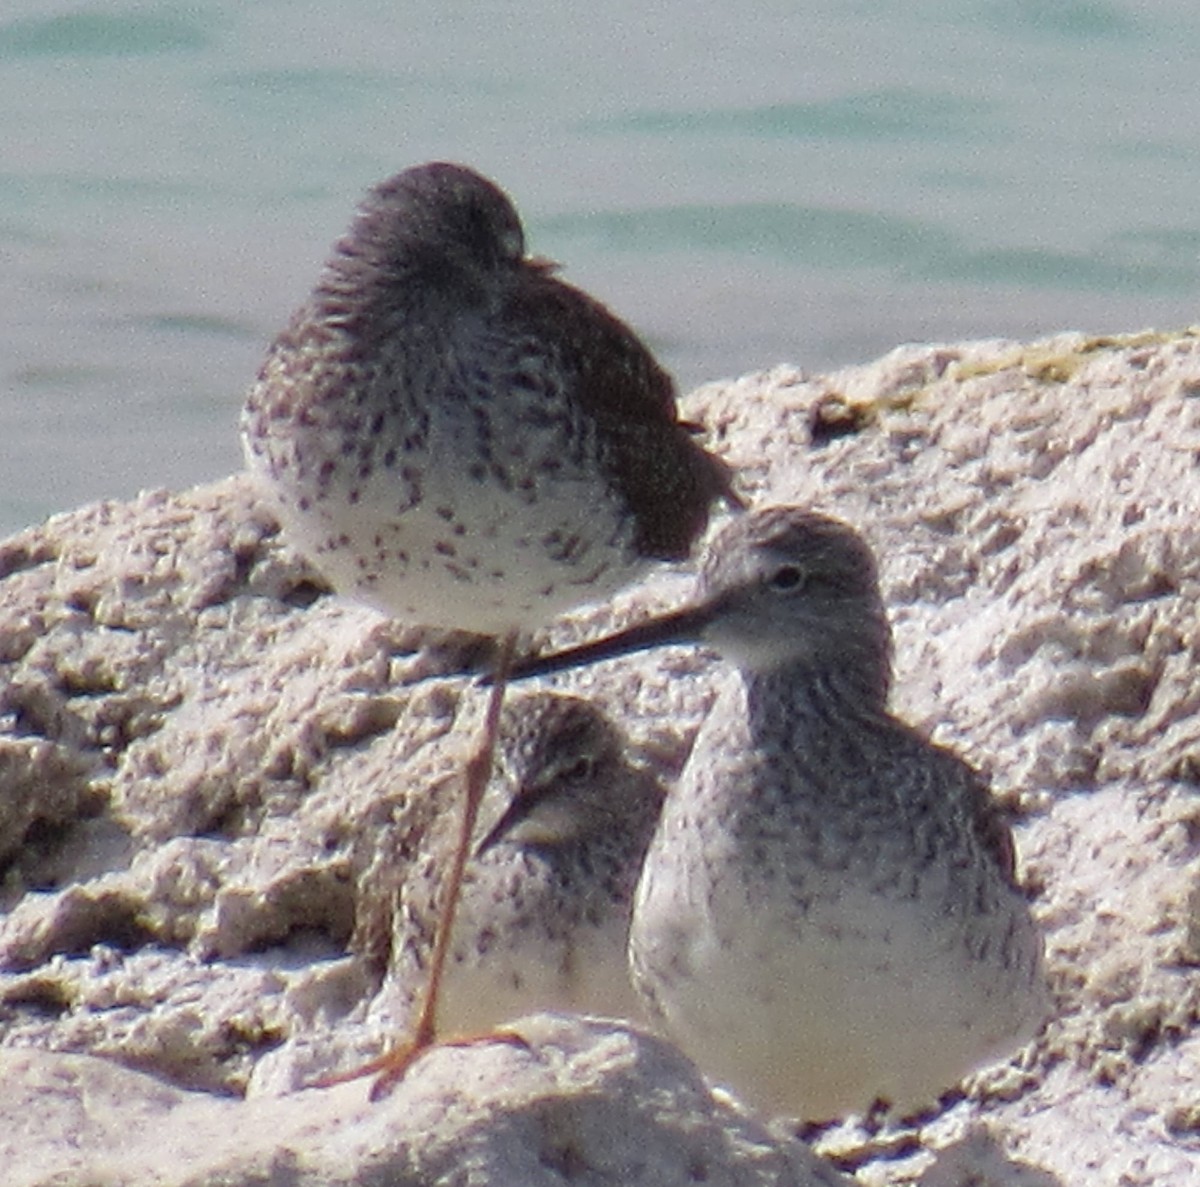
(192, 731)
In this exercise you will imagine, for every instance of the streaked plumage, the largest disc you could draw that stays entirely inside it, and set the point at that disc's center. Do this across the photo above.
(544, 914)
(828, 913)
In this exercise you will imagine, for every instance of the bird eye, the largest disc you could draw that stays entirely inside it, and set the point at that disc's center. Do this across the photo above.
(583, 767)
(786, 578)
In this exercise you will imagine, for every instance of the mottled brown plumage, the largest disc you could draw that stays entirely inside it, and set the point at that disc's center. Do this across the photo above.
(458, 438)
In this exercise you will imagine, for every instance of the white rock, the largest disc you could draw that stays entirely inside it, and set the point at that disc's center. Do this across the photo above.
(578, 1101)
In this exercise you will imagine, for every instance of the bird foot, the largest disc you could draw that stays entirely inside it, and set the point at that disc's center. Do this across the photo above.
(380, 1064)
(394, 1064)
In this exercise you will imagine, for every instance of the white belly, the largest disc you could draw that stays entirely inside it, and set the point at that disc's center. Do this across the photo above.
(464, 558)
(583, 973)
(817, 962)
(864, 1004)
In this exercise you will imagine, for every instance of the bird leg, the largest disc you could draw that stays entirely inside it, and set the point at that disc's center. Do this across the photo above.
(393, 1064)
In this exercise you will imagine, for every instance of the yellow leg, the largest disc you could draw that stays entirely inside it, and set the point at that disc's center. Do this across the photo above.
(393, 1064)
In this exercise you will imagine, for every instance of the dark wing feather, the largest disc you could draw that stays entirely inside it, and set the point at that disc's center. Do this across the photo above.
(667, 479)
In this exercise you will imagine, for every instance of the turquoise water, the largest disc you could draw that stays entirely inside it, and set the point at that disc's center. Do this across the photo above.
(811, 183)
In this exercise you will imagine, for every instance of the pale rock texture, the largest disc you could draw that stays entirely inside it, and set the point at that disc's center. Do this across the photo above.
(581, 1102)
(192, 733)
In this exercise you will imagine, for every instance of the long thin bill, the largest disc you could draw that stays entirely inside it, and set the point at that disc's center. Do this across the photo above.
(679, 626)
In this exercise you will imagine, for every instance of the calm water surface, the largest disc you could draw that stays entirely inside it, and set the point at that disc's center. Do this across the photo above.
(811, 183)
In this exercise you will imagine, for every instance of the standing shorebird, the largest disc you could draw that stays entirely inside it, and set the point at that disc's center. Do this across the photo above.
(828, 914)
(459, 439)
(543, 922)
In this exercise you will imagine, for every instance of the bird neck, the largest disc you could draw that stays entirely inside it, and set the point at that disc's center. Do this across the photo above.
(806, 696)
(356, 289)
(378, 272)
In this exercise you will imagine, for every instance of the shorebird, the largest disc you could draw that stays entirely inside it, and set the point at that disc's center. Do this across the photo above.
(459, 439)
(828, 915)
(543, 921)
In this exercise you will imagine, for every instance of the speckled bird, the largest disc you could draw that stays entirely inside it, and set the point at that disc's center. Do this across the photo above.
(828, 915)
(544, 916)
(457, 437)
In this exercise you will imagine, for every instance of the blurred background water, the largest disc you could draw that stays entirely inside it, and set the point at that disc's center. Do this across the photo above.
(747, 185)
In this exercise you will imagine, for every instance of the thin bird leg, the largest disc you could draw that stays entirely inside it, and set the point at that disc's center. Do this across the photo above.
(393, 1064)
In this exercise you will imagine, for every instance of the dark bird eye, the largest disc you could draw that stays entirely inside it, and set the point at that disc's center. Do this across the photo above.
(583, 767)
(786, 578)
